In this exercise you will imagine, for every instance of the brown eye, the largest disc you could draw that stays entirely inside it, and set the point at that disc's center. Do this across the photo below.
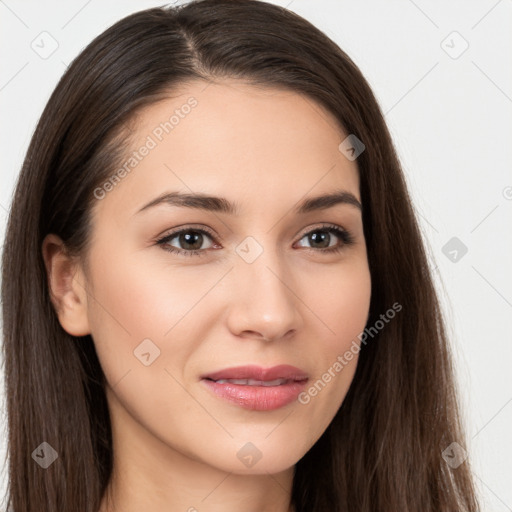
(321, 238)
(190, 242)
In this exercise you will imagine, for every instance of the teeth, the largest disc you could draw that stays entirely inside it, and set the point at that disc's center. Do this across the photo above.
(253, 382)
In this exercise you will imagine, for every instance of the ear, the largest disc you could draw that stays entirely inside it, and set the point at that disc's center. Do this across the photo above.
(66, 284)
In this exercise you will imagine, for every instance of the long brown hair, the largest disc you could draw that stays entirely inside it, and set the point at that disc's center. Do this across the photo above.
(383, 450)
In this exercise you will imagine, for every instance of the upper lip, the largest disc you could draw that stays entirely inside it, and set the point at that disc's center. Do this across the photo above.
(282, 371)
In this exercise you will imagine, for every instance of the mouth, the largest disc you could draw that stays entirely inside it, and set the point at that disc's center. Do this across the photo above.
(257, 373)
(255, 388)
(253, 382)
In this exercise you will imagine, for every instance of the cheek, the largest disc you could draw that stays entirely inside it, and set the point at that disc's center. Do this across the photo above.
(135, 298)
(342, 303)
(144, 336)
(133, 302)
(342, 306)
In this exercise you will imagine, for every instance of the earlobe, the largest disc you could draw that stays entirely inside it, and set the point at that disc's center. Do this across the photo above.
(66, 285)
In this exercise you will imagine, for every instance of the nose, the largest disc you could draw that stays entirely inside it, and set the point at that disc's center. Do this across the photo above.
(263, 303)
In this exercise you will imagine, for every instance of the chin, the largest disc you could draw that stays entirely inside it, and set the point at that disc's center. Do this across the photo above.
(261, 456)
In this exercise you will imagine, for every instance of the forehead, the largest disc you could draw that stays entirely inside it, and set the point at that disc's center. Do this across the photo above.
(255, 145)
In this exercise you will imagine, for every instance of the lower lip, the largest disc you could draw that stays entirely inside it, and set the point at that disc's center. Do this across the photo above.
(257, 398)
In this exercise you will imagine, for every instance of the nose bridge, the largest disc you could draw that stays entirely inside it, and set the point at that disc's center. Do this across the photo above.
(264, 301)
(261, 268)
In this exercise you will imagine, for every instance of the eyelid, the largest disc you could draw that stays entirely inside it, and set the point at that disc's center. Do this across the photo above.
(186, 227)
(201, 228)
(319, 226)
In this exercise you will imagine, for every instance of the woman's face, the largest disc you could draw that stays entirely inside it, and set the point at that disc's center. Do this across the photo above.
(254, 287)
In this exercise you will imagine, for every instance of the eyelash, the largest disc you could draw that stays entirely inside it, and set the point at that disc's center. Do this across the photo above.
(343, 234)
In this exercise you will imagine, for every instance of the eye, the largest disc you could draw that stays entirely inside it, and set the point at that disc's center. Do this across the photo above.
(320, 238)
(191, 240)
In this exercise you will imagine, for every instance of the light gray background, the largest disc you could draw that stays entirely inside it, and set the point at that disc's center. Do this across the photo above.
(450, 116)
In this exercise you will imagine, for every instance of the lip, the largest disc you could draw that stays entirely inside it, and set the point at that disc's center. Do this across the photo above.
(257, 397)
(282, 371)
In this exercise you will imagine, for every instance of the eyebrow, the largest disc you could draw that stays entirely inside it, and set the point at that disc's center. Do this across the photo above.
(222, 205)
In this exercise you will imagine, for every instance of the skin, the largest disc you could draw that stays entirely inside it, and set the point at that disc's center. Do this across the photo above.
(175, 442)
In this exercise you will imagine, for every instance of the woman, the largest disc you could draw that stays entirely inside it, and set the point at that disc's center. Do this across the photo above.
(254, 369)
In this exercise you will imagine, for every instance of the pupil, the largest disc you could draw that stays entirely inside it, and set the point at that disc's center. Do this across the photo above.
(187, 238)
(319, 235)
